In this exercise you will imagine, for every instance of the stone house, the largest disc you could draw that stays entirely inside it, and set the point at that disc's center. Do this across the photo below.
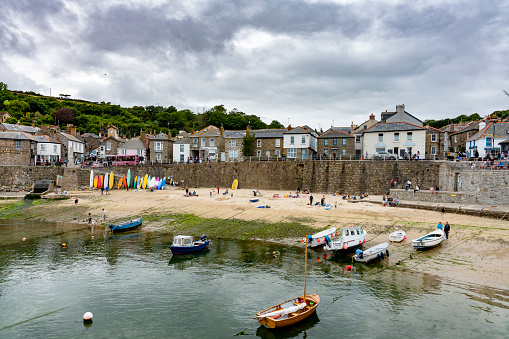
(458, 140)
(160, 149)
(336, 144)
(436, 143)
(92, 142)
(233, 144)
(17, 148)
(73, 148)
(181, 152)
(4, 116)
(300, 143)
(5, 127)
(269, 143)
(208, 143)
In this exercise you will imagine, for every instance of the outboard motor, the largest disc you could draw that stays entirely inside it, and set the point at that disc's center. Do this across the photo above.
(327, 239)
(203, 237)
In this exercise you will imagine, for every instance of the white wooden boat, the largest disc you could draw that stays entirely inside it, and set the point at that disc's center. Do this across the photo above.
(378, 251)
(348, 237)
(397, 236)
(430, 240)
(318, 239)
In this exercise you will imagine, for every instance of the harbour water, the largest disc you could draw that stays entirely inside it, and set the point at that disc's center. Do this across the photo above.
(135, 289)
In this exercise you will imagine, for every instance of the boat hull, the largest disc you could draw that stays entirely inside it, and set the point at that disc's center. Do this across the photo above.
(372, 253)
(269, 322)
(122, 227)
(430, 240)
(397, 236)
(346, 242)
(189, 249)
(318, 239)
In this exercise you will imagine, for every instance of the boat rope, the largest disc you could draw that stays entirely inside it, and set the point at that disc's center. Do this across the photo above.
(243, 332)
(332, 302)
(37, 317)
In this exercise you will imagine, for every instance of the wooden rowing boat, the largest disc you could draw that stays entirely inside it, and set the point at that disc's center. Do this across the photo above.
(291, 311)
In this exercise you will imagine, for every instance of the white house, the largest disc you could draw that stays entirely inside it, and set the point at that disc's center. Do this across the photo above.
(181, 151)
(487, 140)
(48, 149)
(300, 143)
(395, 138)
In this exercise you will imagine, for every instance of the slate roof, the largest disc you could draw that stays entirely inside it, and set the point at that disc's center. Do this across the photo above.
(182, 141)
(497, 130)
(71, 137)
(45, 139)
(234, 134)
(15, 136)
(86, 135)
(160, 137)
(207, 131)
(20, 128)
(270, 133)
(468, 128)
(302, 130)
(404, 117)
(393, 126)
(133, 143)
(335, 133)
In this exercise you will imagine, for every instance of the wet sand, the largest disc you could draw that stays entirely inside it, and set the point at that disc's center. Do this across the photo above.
(477, 250)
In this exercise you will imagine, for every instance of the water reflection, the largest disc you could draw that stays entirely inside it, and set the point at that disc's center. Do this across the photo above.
(299, 330)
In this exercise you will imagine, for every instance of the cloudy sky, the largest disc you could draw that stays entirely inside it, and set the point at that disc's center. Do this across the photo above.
(305, 62)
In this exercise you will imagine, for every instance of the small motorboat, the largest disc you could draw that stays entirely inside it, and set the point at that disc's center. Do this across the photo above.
(125, 225)
(184, 244)
(378, 251)
(318, 239)
(430, 240)
(397, 236)
(352, 236)
(254, 200)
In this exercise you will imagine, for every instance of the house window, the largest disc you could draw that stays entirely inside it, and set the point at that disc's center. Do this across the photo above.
(182, 158)
(409, 136)
(203, 142)
(267, 154)
(343, 141)
(396, 136)
(326, 142)
(233, 143)
(380, 137)
(278, 143)
(181, 148)
(195, 142)
(258, 143)
(232, 154)
(334, 142)
(326, 152)
(433, 150)
(158, 156)
(303, 154)
(108, 146)
(258, 153)
(292, 140)
(292, 153)
(55, 149)
(433, 138)
(122, 152)
(343, 151)
(303, 139)
(138, 152)
(43, 148)
(357, 138)
(211, 141)
(159, 146)
(488, 142)
(380, 149)
(277, 153)
(455, 138)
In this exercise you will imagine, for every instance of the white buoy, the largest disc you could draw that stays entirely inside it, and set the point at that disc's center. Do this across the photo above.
(87, 317)
(23, 239)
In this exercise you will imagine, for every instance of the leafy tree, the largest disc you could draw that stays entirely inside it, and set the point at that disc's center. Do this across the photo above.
(11, 120)
(17, 108)
(248, 143)
(275, 124)
(64, 115)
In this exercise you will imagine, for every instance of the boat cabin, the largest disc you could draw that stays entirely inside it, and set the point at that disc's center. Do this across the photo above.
(351, 232)
(183, 240)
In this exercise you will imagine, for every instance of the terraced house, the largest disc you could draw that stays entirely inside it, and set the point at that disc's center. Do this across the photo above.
(335, 143)
(300, 143)
(208, 143)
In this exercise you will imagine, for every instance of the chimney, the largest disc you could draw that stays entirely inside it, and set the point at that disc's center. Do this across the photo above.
(169, 134)
(222, 130)
(289, 126)
(73, 131)
(400, 108)
(372, 117)
(143, 135)
(351, 129)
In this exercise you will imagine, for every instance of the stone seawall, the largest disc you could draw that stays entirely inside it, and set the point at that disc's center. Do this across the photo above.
(25, 176)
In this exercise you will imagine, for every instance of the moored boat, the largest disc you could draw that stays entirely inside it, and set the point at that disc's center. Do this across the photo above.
(378, 251)
(125, 225)
(352, 236)
(397, 236)
(318, 239)
(430, 240)
(183, 244)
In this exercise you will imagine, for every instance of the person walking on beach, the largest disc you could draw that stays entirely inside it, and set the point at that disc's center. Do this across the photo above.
(218, 191)
(447, 228)
(104, 215)
(90, 218)
(311, 199)
(76, 202)
(440, 226)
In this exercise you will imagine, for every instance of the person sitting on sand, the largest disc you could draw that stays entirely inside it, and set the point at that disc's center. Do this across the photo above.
(306, 191)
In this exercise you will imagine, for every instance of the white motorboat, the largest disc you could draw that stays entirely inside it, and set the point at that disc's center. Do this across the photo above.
(318, 239)
(430, 240)
(378, 251)
(397, 236)
(348, 237)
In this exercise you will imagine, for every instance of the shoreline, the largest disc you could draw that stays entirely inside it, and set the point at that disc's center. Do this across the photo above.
(476, 252)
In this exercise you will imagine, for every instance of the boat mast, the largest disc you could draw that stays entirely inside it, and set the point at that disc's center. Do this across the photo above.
(305, 267)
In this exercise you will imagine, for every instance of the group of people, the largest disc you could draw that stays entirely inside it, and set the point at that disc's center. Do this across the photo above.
(446, 228)
(390, 201)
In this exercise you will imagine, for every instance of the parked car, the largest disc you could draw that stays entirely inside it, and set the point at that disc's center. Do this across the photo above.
(383, 156)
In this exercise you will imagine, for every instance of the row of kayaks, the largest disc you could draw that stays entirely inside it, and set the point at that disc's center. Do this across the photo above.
(107, 181)
(354, 236)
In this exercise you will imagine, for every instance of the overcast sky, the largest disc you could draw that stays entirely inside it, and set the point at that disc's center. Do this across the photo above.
(304, 62)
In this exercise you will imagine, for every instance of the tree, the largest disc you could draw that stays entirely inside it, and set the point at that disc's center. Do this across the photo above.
(64, 115)
(17, 108)
(248, 143)
(275, 124)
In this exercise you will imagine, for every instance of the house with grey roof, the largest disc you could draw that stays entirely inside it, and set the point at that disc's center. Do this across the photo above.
(208, 143)
(458, 139)
(17, 148)
(73, 148)
(396, 138)
(486, 142)
(359, 130)
(181, 151)
(160, 149)
(400, 116)
(233, 144)
(335, 144)
(5, 127)
(48, 150)
(300, 143)
(133, 146)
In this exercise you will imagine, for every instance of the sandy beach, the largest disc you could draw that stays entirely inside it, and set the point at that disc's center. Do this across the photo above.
(477, 250)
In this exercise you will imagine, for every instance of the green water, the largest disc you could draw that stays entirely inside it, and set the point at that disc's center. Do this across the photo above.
(135, 289)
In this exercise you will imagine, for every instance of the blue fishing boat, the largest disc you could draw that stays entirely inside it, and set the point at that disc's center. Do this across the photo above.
(184, 244)
(125, 225)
